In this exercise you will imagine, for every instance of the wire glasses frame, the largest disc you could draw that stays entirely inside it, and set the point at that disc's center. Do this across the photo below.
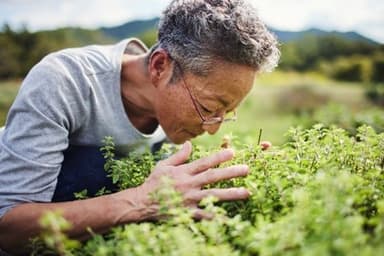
(206, 120)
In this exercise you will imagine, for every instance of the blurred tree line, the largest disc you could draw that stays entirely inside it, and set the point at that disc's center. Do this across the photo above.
(21, 49)
(336, 57)
(333, 55)
(340, 59)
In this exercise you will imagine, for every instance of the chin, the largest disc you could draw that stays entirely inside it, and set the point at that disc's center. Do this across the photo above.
(178, 142)
(180, 138)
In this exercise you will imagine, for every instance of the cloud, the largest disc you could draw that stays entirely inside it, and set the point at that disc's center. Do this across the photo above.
(45, 14)
(365, 16)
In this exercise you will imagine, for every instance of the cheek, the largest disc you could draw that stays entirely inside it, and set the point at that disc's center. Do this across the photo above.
(175, 118)
(176, 114)
(170, 111)
(173, 125)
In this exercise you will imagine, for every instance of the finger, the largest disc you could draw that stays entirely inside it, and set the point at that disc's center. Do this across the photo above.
(180, 156)
(219, 174)
(223, 194)
(265, 145)
(199, 214)
(211, 161)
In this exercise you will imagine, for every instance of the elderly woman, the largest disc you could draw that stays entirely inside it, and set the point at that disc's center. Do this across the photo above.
(204, 63)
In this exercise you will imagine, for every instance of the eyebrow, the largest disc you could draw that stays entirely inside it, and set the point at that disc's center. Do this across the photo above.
(223, 102)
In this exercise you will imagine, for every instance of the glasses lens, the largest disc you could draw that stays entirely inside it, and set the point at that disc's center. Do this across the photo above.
(230, 116)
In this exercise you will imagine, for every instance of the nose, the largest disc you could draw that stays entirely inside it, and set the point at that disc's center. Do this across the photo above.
(212, 128)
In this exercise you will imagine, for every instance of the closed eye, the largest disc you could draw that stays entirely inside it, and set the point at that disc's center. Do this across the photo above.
(206, 110)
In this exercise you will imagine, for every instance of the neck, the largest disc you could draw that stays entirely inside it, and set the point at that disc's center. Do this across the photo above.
(136, 88)
(137, 93)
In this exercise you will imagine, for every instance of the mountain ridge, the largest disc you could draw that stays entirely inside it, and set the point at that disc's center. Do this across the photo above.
(136, 27)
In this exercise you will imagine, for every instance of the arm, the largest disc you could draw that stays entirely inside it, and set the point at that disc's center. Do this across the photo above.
(131, 205)
(20, 223)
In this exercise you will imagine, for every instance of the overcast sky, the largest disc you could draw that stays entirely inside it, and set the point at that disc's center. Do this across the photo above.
(363, 16)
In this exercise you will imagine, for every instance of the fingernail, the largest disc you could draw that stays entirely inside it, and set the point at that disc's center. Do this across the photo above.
(248, 191)
(244, 192)
(185, 144)
(245, 167)
(229, 151)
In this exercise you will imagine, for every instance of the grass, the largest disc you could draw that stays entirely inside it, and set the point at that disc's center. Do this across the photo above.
(261, 110)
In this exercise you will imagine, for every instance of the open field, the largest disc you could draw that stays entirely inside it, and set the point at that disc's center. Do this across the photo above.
(267, 107)
(8, 91)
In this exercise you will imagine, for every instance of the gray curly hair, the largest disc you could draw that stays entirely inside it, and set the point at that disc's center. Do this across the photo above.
(195, 33)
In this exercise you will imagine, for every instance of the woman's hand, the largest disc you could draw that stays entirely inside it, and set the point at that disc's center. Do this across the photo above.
(189, 179)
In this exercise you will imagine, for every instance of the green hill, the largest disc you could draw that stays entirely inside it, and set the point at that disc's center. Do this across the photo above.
(289, 36)
(130, 29)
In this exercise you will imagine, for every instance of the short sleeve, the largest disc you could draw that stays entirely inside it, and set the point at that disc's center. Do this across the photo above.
(46, 110)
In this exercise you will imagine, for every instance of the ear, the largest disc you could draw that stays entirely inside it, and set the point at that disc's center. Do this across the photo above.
(160, 66)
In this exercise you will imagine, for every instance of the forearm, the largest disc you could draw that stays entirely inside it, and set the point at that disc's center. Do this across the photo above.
(132, 205)
(20, 224)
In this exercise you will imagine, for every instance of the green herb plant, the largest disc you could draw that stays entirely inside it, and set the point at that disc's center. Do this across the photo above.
(321, 193)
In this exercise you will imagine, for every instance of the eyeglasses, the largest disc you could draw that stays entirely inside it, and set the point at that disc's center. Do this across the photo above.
(230, 116)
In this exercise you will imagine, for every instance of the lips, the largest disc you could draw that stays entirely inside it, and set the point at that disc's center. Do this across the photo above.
(191, 133)
(194, 134)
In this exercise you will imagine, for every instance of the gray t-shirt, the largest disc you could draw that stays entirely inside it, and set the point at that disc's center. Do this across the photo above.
(72, 97)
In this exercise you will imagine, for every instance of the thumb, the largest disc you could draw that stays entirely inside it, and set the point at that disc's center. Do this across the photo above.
(180, 156)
